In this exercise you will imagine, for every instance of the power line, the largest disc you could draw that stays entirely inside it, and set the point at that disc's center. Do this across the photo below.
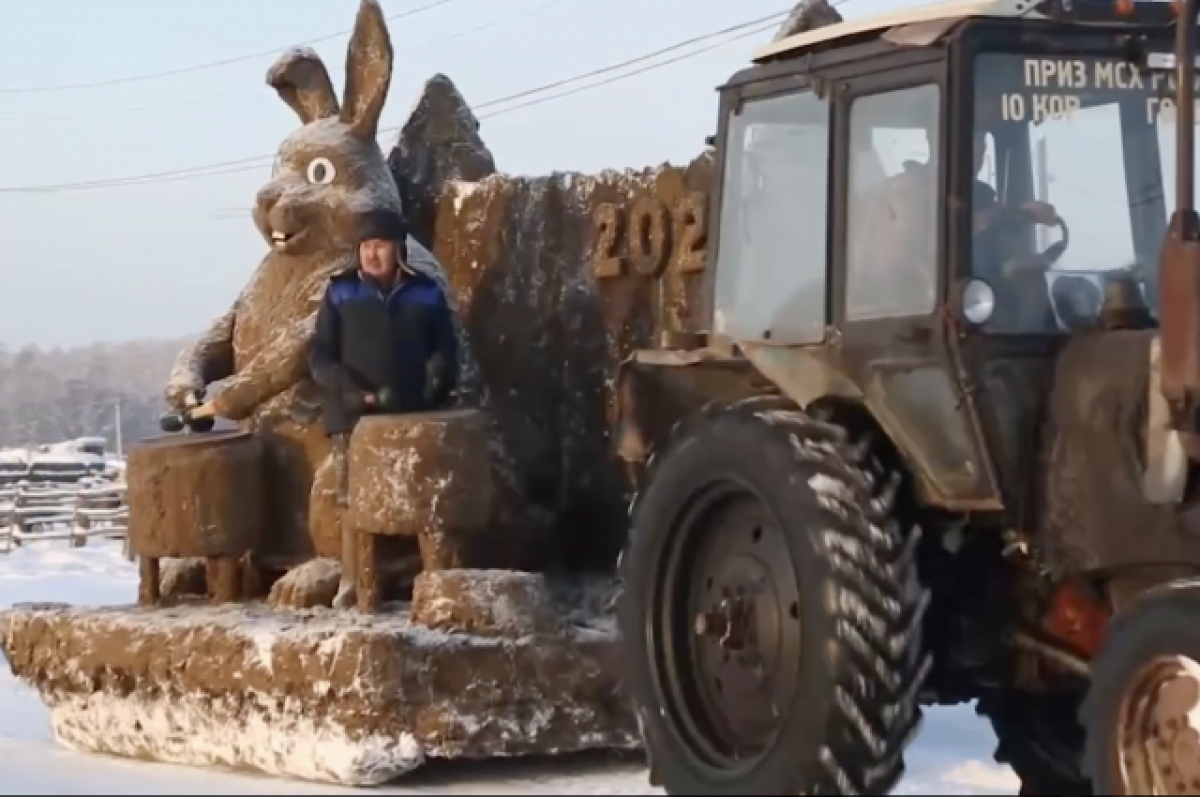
(259, 161)
(210, 64)
(191, 100)
(627, 75)
(227, 214)
(770, 19)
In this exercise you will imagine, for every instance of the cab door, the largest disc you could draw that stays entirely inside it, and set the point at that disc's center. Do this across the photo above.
(890, 282)
(769, 291)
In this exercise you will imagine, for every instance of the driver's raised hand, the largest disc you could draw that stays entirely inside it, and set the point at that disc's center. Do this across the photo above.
(1040, 212)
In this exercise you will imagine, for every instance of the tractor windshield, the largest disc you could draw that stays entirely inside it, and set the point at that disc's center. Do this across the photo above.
(1074, 159)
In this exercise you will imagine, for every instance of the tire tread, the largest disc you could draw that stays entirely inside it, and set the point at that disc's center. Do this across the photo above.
(877, 599)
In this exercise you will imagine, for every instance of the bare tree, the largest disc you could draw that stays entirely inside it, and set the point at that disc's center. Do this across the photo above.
(55, 394)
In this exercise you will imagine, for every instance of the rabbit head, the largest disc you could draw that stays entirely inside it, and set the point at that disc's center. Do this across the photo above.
(331, 170)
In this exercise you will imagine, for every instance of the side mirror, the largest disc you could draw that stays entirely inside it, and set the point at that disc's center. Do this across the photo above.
(974, 302)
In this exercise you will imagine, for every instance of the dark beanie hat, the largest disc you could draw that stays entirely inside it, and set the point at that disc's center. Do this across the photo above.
(382, 225)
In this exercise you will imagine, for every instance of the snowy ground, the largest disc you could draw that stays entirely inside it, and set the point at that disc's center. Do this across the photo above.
(953, 755)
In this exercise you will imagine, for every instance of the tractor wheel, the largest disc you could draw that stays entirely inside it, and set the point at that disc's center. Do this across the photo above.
(772, 611)
(1142, 714)
(1040, 738)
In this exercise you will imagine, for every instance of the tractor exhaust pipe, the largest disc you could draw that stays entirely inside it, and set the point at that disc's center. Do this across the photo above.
(1179, 261)
(1185, 109)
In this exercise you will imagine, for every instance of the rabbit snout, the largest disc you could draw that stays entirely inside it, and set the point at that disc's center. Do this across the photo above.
(286, 218)
(289, 212)
(324, 178)
(282, 211)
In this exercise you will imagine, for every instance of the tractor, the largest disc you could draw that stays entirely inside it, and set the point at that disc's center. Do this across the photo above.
(932, 440)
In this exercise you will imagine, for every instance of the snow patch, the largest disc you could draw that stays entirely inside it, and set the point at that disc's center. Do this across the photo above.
(825, 485)
(272, 737)
(300, 53)
(461, 191)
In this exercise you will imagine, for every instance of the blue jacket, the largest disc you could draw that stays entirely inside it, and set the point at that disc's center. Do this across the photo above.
(368, 339)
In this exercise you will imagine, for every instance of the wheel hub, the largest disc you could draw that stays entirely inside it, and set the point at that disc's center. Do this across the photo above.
(737, 662)
(1160, 730)
(730, 622)
(730, 639)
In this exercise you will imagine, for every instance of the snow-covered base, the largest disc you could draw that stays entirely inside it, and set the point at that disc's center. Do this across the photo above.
(270, 738)
(319, 695)
(952, 756)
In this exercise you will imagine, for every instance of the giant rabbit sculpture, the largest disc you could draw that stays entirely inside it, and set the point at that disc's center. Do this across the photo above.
(252, 361)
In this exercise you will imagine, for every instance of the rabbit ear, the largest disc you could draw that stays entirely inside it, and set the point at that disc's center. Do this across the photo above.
(303, 82)
(368, 71)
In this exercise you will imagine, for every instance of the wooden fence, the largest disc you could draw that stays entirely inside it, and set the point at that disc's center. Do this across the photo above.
(36, 512)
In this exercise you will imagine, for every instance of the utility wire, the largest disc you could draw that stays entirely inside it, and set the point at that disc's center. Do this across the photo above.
(627, 75)
(770, 19)
(260, 161)
(191, 100)
(227, 214)
(210, 64)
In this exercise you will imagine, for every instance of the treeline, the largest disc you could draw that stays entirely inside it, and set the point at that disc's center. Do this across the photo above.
(47, 395)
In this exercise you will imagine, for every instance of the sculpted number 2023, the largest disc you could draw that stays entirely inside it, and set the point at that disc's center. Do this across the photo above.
(648, 236)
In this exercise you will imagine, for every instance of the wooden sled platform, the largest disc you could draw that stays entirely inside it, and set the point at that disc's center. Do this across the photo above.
(478, 666)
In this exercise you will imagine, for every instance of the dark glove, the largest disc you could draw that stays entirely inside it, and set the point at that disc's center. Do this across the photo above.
(385, 399)
(197, 424)
(355, 402)
(436, 393)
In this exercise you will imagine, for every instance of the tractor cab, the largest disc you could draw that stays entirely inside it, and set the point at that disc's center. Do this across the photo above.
(916, 210)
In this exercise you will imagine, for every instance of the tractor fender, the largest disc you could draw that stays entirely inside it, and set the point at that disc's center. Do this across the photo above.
(1164, 480)
(803, 375)
(1129, 593)
(657, 388)
(807, 375)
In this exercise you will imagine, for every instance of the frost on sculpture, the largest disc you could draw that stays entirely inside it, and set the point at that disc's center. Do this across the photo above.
(487, 533)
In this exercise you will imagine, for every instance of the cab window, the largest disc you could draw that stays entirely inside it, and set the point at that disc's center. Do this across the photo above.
(892, 204)
(1068, 189)
(771, 258)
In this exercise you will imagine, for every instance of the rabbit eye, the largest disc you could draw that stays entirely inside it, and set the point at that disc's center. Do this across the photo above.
(321, 171)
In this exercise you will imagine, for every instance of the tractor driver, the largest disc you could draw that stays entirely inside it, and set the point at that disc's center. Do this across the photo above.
(1000, 253)
(993, 242)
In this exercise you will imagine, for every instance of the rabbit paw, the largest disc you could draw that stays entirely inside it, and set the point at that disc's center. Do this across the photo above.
(183, 577)
(182, 392)
(347, 595)
(312, 584)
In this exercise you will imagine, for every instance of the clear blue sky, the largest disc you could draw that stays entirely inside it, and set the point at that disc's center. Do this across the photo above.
(129, 262)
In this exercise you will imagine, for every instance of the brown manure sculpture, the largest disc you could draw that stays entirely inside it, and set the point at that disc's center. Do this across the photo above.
(487, 531)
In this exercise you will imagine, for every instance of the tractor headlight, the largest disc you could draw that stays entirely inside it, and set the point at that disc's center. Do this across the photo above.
(978, 302)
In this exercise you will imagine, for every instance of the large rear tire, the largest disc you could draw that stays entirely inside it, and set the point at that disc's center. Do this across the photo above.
(772, 609)
(1040, 738)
